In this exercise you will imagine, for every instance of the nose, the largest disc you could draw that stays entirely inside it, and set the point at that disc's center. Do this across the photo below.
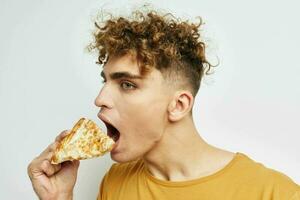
(104, 98)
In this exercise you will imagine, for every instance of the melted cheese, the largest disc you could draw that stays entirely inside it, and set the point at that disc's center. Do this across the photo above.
(86, 140)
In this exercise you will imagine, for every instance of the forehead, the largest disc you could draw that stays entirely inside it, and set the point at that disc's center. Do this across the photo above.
(129, 64)
(122, 63)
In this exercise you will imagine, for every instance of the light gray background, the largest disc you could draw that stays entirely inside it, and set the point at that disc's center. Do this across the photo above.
(48, 81)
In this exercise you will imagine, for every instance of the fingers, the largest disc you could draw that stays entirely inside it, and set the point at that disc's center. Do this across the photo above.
(62, 135)
(69, 168)
(49, 169)
(74, 164)
(53, 146)
(41, 165)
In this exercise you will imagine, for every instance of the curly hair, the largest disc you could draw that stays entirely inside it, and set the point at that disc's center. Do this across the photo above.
(161, 41)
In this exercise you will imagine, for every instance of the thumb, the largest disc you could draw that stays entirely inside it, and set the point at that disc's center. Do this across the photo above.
(69, 168)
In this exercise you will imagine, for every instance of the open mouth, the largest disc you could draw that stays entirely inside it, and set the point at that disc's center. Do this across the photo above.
(112, 132)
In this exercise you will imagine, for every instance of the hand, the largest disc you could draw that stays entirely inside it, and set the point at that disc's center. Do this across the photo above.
(52, 182)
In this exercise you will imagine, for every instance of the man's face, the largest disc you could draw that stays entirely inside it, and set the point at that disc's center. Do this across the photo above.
(136, 106)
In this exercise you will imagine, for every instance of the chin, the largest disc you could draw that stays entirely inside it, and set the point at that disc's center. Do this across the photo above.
(121, 158)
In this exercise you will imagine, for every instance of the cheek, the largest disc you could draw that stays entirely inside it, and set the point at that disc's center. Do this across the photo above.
(145, 120)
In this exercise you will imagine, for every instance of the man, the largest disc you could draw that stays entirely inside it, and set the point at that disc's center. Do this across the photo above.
(152, 69)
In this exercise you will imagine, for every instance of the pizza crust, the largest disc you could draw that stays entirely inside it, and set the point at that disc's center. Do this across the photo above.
(86, 140)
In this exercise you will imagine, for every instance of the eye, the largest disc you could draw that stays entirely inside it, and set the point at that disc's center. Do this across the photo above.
(127, 85)
(103, 80)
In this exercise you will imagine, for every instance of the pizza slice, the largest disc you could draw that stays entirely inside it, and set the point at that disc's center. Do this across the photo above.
(86, 140)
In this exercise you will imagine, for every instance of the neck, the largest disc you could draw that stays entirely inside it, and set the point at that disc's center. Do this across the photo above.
(182, 154)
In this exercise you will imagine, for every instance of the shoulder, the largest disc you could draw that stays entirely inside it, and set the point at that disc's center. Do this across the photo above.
(268, 179)
(282, 184)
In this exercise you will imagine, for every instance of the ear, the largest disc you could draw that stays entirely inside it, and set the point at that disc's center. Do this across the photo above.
(180, 105)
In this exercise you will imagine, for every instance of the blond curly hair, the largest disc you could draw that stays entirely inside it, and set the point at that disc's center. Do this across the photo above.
(161, 41)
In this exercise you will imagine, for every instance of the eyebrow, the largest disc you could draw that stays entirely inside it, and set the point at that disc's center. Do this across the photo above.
(119, 75)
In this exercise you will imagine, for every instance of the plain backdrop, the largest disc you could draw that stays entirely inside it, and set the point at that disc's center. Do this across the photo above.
(48, 81)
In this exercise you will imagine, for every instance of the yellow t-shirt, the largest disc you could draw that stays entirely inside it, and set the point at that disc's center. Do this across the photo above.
(241, 179)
